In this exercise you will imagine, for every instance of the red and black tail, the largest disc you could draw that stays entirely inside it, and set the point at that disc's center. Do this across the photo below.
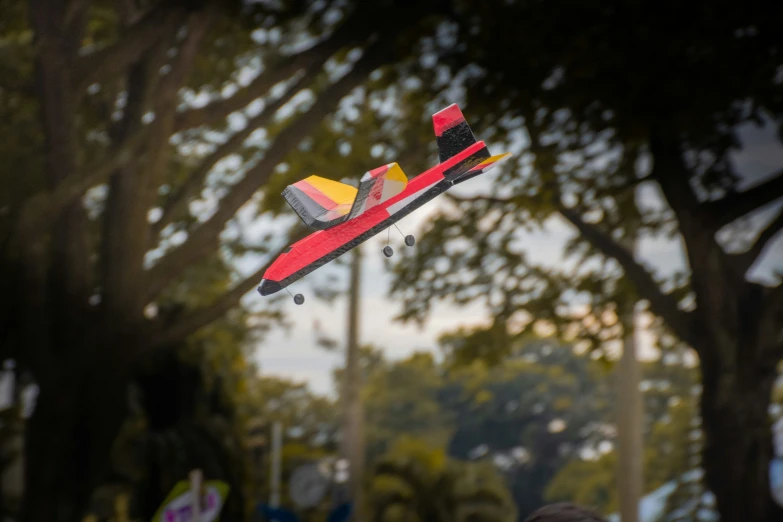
(452, 132)
(453, 135)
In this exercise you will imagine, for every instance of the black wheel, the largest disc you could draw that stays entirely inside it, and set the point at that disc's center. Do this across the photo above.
(410, 240)
(387, 251)
(298, 299)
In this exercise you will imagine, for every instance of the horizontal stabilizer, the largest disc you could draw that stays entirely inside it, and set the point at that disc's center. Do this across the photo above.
(485, 166)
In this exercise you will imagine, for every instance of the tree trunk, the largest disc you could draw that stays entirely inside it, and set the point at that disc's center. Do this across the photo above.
(738, 437)
(69, 440)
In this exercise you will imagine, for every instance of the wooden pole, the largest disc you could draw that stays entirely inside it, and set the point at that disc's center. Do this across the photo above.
(630, 437)
(277, 445)
(196, 478)
(353, 430)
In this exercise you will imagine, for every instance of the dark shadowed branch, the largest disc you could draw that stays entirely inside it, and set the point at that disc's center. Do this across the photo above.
(126, 237)
(166, 94)
(129, 11)
(663, 305)
(47, 205)
(697, 227)
(178, 201)
(139, 38)
(196, 319)
(762, 241)
(199, 318)
(57, 40)
(310, 61)
(738, 204)
(771, 321)
(672, 175)
(217, 111)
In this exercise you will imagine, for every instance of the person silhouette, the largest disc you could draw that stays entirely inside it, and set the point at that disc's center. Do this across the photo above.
(564, 512)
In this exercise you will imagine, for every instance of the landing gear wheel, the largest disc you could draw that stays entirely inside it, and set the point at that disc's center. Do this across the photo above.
(388, 251)
(299, 299)
(410, 240)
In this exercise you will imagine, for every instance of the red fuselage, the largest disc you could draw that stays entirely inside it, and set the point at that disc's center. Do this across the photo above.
(323, 246)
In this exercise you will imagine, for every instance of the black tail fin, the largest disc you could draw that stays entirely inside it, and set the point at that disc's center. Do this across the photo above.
(452, 132)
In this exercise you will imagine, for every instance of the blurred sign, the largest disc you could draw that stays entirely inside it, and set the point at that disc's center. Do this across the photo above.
(776, 480)
(308, 485)
(178, 506)
(776, 465)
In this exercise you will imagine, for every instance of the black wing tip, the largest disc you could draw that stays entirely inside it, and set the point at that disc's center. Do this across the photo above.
(269, 287)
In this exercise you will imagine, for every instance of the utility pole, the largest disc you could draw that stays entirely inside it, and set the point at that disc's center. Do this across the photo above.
(277, 445)
(352, 440)
(630, 418)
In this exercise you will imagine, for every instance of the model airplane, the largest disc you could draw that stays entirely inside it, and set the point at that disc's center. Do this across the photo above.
(345, 217)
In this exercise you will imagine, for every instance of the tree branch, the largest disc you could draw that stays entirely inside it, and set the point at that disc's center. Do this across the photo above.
(706, 257)
(197, 319)
(738, 204)
(128, 11)
(672, 175)
(45, 206)
(769, 232)
(771, 323)
(205, 238)
(126, 237)
(661, 304)
(352, 31)
(178, 201)
(56, 40)
(217, 111)
(139, 38)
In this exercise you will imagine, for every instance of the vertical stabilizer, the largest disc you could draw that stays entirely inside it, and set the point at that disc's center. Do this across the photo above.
(452, 132)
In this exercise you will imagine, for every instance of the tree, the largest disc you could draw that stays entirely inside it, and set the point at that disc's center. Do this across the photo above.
(612, 100)
(310, 432)
(671, 454)
(544, 417)
(403, 398)
(541, 408)
(116, 116)
(588, 483)
(415, 481)
(194, 409)
(187, 409)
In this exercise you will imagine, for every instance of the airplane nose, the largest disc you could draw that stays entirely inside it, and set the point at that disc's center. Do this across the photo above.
(268, 287)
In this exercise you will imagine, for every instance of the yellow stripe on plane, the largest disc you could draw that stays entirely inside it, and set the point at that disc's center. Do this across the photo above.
(395, 173)
(340, 193)
(493, 159)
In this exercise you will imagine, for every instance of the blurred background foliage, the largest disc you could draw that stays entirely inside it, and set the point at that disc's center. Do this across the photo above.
(141, 138)
(504, 440)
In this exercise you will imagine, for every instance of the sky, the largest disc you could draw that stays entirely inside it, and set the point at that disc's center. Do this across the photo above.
(295, 354)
